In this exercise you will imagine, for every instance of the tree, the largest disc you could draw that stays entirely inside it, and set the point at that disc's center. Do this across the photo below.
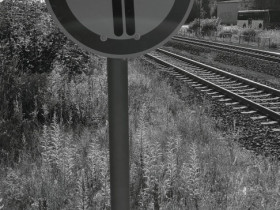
(194, 12)
(205, 8)
(266, 4)
(29, 43)
(201, 9)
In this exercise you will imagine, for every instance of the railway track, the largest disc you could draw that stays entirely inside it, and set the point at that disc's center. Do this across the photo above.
(260, 102)
(255, 53)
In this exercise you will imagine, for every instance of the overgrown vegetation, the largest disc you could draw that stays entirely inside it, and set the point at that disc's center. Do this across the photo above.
(194, 25)
(205, 26)
(274, 36)
(54, 133)
(249, 34)
(208, 8)
(213, 31)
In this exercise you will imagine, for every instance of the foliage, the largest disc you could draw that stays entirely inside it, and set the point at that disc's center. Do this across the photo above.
(273, 45)
(225, 33)
(30, 38)
(54, 114)
(249, 32)
(205, 9)
(268, 4)
(178, 160)
(201, 9)
(194, 25)
(209, 25)
(273, 35)
(194, 13)
(208, 8)
(32, 46)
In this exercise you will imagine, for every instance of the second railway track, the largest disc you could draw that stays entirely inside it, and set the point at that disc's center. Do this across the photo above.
(260, 102)
(255, 53)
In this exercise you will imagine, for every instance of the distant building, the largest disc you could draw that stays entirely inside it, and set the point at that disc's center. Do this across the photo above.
(227, 10)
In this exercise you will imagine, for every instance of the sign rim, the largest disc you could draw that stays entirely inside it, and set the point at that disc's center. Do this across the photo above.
(80, 32)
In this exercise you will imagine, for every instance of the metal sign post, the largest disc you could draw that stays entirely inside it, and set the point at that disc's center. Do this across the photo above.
(118, 132)
(119, 29)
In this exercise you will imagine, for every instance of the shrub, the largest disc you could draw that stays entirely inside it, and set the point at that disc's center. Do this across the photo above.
(274, 35)
(194, 25)
(248, 34)
(273, 45)
(225, 33)
(209, 25)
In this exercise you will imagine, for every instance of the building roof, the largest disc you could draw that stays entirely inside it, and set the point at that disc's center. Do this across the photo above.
(259, 10)
(232, 1)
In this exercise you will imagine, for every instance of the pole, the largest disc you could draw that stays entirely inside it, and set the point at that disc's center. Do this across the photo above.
(117, 70)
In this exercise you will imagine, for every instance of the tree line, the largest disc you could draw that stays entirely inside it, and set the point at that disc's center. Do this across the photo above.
(208, 8)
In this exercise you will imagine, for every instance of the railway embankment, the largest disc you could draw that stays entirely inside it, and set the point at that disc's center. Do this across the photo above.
(251, 134)
(226, 145)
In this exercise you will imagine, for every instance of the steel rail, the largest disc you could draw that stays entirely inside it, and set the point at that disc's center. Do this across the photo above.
(261, 54)
(219, 71)
(266, 111)
(276, 54)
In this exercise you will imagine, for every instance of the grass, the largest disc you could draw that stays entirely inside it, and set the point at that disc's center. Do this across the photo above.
(179, 159)
(216, 172)
(266, 37)
(274, 35)
(54, 134)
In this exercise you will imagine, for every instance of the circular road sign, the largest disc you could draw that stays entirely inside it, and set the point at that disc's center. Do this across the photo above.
(119, 28)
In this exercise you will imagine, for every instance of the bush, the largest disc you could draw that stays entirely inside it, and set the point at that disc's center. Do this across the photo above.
(273, 45)
(209, 25)
(226, 33)
(194, 25)
(249, 34)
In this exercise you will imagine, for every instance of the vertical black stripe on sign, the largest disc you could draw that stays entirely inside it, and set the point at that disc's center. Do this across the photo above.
(117, 16)
(130, 17)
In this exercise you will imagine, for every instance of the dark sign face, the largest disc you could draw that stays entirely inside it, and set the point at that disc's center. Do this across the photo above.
(119, 28)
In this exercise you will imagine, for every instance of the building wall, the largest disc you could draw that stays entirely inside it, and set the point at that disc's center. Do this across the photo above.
(227, 12)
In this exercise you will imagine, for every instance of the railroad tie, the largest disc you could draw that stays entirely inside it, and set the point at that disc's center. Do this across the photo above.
(274, 108)
(246, 90)
(217, 96)
(232, 104)
(258, 118)
(206, 90)
(211, 93)
(225, 100)
(269, 123)
(276, 129)
(193, 83)
(258, 96)
(249, 112)
(180, 76)
(196, 85)
(238, 87)
(239, 107)
(201, 88)
(187, 80)
(247, 93)
(275, 103)
(268, 99)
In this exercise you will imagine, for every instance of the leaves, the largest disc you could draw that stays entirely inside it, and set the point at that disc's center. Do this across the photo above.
(190, 173)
